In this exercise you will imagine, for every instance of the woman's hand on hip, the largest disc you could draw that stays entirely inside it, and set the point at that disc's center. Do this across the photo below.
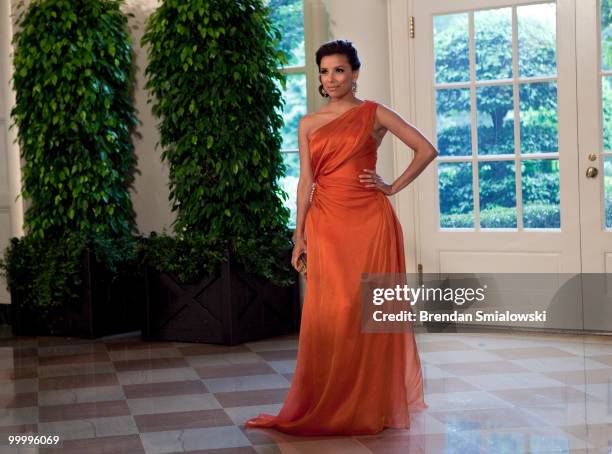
(370, 179)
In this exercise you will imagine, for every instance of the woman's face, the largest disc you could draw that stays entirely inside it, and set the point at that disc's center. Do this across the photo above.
(336, 75)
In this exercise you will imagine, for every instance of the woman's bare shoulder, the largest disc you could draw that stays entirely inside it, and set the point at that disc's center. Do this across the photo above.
(311, 121)
(380, 107)
(384, 112)
(385, 117)
(314, 116)
(306, 122)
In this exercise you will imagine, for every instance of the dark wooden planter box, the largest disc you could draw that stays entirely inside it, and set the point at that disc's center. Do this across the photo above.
(106, 307)
(230, 307)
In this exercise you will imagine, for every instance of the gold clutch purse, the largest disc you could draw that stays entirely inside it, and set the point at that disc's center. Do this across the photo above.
(302, 263)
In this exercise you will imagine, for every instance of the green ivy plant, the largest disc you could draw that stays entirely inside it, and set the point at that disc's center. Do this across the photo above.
(74, 113)
(73, 72)
(214, 82)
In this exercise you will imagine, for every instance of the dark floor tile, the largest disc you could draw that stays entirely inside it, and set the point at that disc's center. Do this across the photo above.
(173, 388)
(93, 357)
(136, 344)
(447, 384)
(77, 381)
(182, 420)
(83, 410)
(18, 373)
(21, 429)
(248, 398)
(210, 349)
(124, 444)
(541, 397)
(16, 351)
(11, 362)
(278, 355)
(58, 340)
(150, 363)
(18, 400)
(234, 370)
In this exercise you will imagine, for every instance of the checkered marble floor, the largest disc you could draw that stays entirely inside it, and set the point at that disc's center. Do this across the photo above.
(487, 393)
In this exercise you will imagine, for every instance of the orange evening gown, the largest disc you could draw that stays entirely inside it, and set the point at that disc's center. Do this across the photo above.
(346, 381)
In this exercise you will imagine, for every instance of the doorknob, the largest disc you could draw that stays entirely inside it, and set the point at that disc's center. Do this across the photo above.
(592, 172)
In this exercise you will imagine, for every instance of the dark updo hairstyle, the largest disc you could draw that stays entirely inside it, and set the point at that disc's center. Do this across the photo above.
(339, 46)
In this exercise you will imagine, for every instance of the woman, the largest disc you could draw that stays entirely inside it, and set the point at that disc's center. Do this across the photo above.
(346, 381)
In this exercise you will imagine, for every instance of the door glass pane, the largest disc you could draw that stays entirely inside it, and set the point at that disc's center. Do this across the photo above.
(494, 59)
(538, 117)
(456, 195)
(453, 122)
(606, 103)
(289, 183)
(294, 96)
(495, 120)
(606, 34)
(497, 194)
(493, 43)
(288, 17)
(608, 190)
(451, 48)
(540, 181)
(537, 40)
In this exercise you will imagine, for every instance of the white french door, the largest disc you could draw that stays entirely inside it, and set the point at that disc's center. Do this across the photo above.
(517, 97)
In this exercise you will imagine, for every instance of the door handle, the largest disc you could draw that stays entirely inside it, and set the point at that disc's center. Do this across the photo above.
(592, 172)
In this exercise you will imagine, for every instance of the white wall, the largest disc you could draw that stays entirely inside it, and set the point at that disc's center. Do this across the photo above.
(5, 219)
(6, 146)
(150, 192)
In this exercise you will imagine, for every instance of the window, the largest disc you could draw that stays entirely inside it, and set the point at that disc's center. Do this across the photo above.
(496, 118)
(288, 16)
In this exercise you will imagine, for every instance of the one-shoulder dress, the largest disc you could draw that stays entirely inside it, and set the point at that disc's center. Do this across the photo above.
(347, 381)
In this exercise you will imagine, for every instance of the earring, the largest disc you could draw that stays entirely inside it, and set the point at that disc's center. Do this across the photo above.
(354, 86)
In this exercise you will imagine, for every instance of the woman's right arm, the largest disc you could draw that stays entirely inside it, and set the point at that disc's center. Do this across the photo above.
(303, 191)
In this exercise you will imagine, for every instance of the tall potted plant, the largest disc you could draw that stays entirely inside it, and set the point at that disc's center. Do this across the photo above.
(224, 276)
(74, 114)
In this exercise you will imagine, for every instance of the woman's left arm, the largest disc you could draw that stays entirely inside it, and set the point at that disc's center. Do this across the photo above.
(425, 152)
